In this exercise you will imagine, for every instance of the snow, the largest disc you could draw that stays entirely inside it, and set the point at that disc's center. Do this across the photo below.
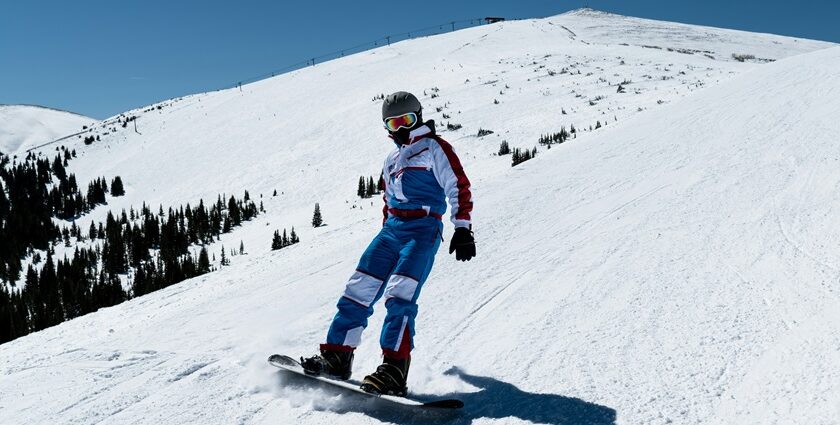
(676, 266)
(25, 126)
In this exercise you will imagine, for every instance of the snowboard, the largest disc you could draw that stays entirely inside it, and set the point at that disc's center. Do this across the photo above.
(289, 364)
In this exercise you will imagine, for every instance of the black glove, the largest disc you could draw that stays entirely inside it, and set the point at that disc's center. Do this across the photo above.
(462, 244)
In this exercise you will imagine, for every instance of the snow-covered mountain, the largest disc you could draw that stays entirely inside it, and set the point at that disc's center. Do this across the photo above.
(677, 265)
(26, 126)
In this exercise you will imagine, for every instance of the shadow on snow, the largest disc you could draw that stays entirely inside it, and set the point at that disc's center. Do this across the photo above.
(494, 400)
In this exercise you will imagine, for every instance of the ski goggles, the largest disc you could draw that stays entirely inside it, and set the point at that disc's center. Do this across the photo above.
(403, 121)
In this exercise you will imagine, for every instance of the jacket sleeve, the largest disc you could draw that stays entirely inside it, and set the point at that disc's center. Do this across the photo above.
(451, 177)
(385, 193)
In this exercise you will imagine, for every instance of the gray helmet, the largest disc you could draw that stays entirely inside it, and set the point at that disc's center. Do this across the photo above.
(400, 103)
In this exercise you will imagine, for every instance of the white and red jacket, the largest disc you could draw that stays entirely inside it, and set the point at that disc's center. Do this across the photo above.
(421, 175)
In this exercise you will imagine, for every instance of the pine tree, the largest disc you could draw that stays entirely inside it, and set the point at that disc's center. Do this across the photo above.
(35, 300)
(234, 212)
(241, 247)
(504, 148)
(294, 237)
(117, 188)
(203, 261)
(58, 168)
(380, 185)
(7, 329)
(14, 321)
(317, 221)
(362, 190)
(371, 187)
(224, 260)
(276, 241)
(49, 287)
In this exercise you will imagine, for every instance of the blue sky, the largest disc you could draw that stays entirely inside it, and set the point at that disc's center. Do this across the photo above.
(100, 58)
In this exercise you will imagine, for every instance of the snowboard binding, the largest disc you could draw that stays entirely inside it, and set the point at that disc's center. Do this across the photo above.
(334, 364)
(389, 379)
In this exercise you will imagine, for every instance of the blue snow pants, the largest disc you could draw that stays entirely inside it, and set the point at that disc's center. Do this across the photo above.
(395, 264)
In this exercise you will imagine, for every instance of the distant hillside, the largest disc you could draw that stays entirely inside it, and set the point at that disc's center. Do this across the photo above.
(25, 126)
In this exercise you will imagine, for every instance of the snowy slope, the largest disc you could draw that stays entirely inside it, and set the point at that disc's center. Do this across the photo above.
(677, 266)
(282, 123)
(311, 133)
(25, 126)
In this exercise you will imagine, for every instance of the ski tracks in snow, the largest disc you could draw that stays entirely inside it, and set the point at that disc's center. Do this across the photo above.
(114, 382)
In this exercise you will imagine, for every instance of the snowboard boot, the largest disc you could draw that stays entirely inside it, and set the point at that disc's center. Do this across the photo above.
(389, 378)
(335, 364)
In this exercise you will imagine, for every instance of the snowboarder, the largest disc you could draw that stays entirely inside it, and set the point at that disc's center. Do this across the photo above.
(420, 174)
